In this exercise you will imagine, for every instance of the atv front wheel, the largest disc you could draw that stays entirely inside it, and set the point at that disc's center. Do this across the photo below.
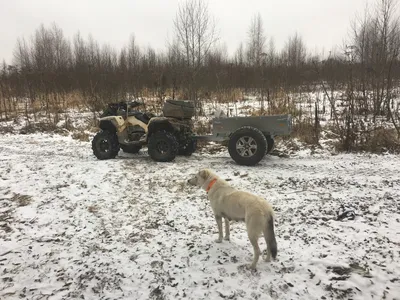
(162, 146)
(188, 147)
(105, 145)
(131, 148)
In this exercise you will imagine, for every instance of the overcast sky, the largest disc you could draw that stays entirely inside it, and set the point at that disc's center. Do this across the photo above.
(322, 23)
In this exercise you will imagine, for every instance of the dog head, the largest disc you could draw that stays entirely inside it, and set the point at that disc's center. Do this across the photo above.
(200, 178)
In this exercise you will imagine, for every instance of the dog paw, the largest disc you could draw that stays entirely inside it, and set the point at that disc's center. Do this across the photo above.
(251, 267)
(242, 268)
(267, 258)
(245, 268)
(218, 241)
(227, 238)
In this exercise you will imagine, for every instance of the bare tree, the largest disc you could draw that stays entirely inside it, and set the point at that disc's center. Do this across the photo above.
(61, 48)
(79, 52)
(22, 57)
(295, 51)
(239, 56)
(176, 65)
(256, 56)
(195, 31)
(49, 66)
(256, 42)
(376, 44)
(271, 53)
(134, 56)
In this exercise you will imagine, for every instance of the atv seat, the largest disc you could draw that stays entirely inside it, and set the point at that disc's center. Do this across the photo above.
(145, 118)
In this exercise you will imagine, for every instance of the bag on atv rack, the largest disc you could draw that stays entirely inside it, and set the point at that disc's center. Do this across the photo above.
(178, 109)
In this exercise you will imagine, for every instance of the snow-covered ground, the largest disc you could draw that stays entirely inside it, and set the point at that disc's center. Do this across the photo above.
(74, 227)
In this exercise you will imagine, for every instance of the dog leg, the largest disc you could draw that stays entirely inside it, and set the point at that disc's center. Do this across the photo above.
(220, 233)
(268, 257)
(254, 241)
(227, 230)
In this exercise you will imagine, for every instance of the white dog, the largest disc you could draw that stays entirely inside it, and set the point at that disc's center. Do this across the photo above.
(231, 204)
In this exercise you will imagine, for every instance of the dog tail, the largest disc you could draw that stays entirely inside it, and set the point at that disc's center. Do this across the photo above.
(270, 236)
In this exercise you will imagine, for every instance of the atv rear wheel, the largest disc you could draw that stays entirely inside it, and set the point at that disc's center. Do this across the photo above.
(105, 145)
(162, 146)
(131, 148)
(188, 147)
(247, 146)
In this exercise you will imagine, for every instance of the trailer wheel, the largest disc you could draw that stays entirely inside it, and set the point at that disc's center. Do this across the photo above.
(270, 143)
(247, 146)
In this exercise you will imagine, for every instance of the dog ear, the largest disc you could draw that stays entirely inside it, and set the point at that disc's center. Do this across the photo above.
(204, 173)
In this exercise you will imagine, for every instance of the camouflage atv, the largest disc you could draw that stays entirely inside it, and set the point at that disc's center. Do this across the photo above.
(123, 127)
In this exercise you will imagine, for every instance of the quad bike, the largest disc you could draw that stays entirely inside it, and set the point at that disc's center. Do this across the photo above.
(166, 136)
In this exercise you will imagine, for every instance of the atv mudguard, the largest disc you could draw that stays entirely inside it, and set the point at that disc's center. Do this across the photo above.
(162, 123)
(112, 123)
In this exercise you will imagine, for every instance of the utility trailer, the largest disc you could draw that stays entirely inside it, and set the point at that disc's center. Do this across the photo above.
(249, 138)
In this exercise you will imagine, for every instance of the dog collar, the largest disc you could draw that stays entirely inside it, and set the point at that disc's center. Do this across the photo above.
(210, 185)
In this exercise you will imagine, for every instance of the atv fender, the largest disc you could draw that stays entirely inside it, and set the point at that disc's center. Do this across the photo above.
(159, 123)
(112, 123)
(133, 121)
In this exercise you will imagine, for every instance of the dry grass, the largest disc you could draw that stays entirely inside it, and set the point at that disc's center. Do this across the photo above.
(74, 100)
(68, 123)
(305, 132)
(383, 140)
(6, 129)
(280, 104)
(282, 108)
(81, 136)
(202, 129)
(93, 209)
(228, 96)
(21, 200)
(211, 147)
(378, 141)
(39, 127)
(51, 103)
(201, 144)
(91, 124)
(181, 186)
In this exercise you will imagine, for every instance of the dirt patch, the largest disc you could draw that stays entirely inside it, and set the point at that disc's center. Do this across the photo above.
(38, 127)
(211, 147)
(93, 209)
(337, 293)
(6, 218)
(81, 136)
(4, 129)
(21, 200)
(343, 273)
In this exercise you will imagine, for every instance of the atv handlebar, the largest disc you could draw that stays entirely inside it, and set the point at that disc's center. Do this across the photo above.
(124, 105)
(134, 104)
(113, 108)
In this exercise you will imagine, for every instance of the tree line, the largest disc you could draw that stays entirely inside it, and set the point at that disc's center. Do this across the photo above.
(49, 71)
